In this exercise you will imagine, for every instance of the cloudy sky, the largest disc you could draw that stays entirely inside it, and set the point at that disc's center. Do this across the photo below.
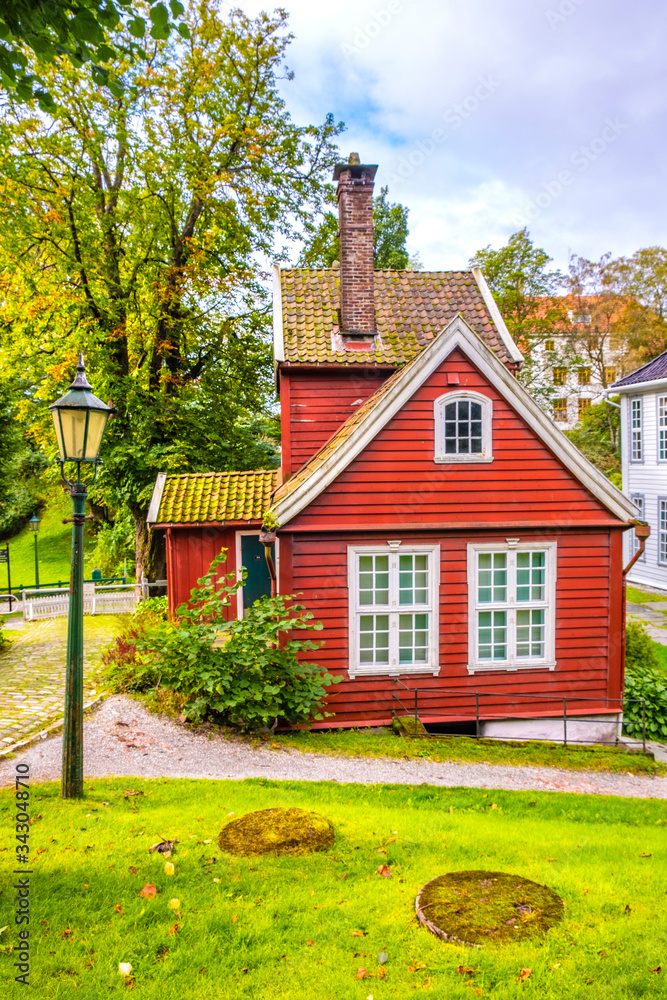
(487, 115)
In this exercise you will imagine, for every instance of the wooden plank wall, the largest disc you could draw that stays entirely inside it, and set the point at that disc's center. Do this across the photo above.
(395, 479)
(190, 551)
(314, 404)
(587, 634)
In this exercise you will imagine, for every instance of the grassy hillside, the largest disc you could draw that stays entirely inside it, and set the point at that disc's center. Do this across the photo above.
(54, 541)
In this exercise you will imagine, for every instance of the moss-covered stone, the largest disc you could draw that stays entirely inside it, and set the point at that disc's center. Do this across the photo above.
(477, 907)
(277, 831)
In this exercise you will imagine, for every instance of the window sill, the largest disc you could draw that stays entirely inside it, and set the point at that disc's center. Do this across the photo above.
(508, 668)
(459, 459)
(385, 672)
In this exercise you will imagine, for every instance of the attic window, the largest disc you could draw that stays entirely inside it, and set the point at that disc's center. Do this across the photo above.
(463, 422)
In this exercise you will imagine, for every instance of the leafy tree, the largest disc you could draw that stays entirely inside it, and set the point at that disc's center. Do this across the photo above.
(517, 275)
(77, 29)
(390, 232)
(597, 436)
(134, 229)
(642, 281)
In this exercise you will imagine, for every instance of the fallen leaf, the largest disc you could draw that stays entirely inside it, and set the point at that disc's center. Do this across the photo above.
(585, 892)
(169, 868)
(427, 982)
(131, 983)
(382, 972)
(310, 942)
(235, 917)
(174, 904)
(148, 891)
(383, 957)
(118, 908)
(133, 870)
(464, 971)
(627, 910)
(552, 859)
(358, 934)
(131, 791)
(381, 850)
(589, 981)
(658, 968)
(67, 932)
(478, 992)
(493, 805)
(642, 855)
(384, 871)
(602, 953)
(361, 974)
(415, 966)
(391, 840)
(174, 930)
(524, 974)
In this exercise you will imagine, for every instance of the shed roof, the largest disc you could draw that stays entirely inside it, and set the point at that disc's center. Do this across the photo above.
(647, 373)
(411, 308)
(203, 497)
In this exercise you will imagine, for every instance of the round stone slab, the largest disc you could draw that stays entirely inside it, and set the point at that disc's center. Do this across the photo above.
(277, 831)
(479, 907)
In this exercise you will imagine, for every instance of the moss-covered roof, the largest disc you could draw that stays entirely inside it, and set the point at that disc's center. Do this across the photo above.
(411, 308)
(197, 497)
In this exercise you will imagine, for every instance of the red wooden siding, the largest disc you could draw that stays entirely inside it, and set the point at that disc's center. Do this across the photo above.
(588, 609)
(314, 404)
(395, 480)
(190, 552)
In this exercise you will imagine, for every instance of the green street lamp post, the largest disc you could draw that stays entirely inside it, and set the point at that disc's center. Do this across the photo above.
(34, 526)
(80, 419)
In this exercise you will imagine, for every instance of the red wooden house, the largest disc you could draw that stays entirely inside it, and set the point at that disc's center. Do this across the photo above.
(450, 538)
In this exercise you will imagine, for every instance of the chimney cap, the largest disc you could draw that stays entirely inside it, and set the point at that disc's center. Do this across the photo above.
(356, 168)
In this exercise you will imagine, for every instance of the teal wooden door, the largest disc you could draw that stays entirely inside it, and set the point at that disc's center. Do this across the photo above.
(258, 580)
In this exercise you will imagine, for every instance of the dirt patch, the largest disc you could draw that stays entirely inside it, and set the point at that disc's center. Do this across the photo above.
(277, 831)
(479, 907)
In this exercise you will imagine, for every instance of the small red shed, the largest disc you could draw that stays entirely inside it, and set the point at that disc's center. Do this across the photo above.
(450, 538)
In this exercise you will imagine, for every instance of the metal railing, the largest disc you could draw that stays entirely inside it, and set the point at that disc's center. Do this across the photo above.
(478, 709)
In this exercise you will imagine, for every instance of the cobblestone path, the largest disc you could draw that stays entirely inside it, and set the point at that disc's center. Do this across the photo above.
(32, 672)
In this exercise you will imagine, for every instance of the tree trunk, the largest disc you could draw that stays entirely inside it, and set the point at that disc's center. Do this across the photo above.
(150, 549)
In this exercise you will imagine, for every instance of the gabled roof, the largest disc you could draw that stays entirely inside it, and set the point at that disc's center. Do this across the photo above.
(203, 497)
(357, 432)
(656, 369)
(411, 307)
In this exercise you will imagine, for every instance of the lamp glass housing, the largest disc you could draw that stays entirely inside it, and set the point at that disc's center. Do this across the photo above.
(34, 523)
(80, 419)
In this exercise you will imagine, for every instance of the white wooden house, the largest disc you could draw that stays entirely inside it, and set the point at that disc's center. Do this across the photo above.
(644, 456)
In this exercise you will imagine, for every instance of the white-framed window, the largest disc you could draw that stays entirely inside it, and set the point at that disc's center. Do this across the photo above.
(393, 601)
(463, 427)
(662, 428)
(662, 531)
(511, 606)
(636, 431)
(639, 501)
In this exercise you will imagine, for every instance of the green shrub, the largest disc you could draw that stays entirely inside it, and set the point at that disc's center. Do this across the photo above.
(3, 637)
(639, 647)
(151, 611)
(245, 672)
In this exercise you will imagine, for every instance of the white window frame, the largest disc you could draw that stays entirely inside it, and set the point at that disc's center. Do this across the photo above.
(240, 610)
(639, 500)
(662, 532)
(393, 609)
(636, 454)
(661, 421)
(513, 663)
(464, 395)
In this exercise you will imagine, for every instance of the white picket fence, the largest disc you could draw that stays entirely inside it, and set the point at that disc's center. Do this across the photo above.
(107, 599)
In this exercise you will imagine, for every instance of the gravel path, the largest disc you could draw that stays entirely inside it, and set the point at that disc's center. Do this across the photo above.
(123, 738)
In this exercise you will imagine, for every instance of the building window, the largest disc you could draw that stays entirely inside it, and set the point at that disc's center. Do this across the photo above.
(549, 345)
(662, 531)
(636, 431)
(638, 501)
(560, 409)
(582, 404)
(584, 376)
(662, 428)
(393, 610)
(463, 427)
(609, 376)
(560, 376)
(511, 606)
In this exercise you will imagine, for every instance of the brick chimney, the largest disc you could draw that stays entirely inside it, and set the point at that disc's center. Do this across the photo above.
(355, 228)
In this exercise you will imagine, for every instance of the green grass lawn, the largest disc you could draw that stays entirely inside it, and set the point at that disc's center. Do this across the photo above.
(54, 540)
(279, 928)
(637, 596)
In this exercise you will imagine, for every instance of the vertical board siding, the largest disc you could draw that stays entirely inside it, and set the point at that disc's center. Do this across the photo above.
(190, 552)
(395, 478)
(588, 660)
(316, 403)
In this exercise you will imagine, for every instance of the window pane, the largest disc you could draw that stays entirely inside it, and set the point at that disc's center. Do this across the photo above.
(530, 576)
(412, 638)
(374, 639)
(463, 428)
(530, 633)
(412, 579)
(373, 580)
(492, 635)
(492, 578)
